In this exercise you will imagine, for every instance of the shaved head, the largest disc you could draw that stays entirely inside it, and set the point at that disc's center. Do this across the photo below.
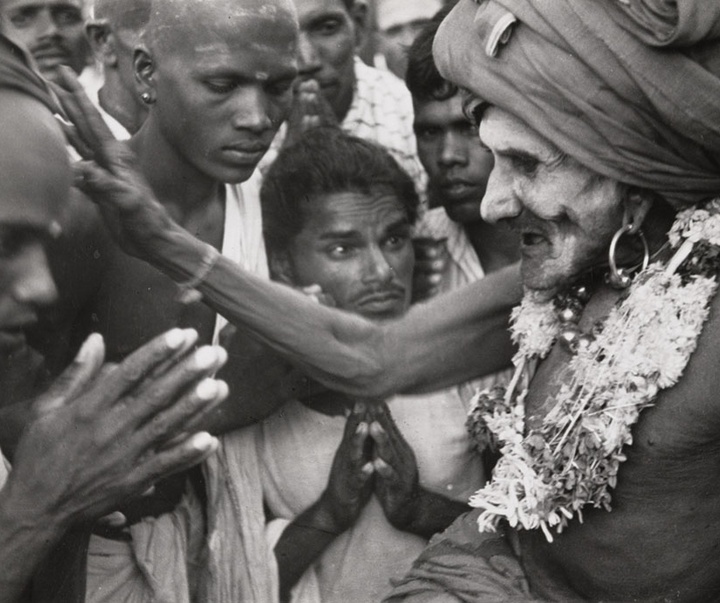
(131, 15)
(171, 19)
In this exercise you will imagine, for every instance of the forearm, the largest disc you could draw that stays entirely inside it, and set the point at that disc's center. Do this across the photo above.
(446, 341)
(25, 539)
(302, 542)
(433, 513)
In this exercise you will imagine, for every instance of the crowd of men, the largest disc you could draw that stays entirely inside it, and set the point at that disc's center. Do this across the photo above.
(256, 315)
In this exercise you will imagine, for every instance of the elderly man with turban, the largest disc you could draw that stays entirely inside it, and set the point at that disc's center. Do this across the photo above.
(604, 124)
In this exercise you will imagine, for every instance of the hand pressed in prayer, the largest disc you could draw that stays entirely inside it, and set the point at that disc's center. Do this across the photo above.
(103, 433)
(431, 258)
(108, 174)
(350, 484)
(310, 110)
(396, 473)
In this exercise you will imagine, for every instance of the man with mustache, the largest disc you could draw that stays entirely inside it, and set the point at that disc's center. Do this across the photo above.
(458, 169)
(52, 30)
(356, 486)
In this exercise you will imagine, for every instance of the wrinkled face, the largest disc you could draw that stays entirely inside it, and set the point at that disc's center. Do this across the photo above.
(327, 50)
(457, 164)
(395, 41)
(565, 214)
(357, 247)
(52, 30)
(34, 184)
(222, 89)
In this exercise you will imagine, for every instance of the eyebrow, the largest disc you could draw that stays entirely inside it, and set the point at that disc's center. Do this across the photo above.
(345, 235)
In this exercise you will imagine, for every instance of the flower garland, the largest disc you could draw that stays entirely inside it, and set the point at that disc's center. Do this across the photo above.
(546, 475)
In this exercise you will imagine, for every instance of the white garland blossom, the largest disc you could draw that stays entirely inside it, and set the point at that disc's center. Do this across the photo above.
(546, 475)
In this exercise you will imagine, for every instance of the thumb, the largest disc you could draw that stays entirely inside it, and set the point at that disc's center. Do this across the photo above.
(77, 376)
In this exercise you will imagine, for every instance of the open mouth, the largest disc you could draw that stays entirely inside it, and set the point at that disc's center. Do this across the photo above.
(530, 239)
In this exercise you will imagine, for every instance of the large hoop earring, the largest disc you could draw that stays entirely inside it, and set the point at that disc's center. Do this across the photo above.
(621, 278)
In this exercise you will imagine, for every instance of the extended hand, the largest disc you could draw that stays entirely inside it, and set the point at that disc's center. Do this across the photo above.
(396, 474)
(109, 174)
(104, 433)
(431, 258)
(350, 485)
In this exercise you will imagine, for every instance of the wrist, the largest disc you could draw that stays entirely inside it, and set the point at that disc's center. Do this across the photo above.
(330, 516)
(23, 513)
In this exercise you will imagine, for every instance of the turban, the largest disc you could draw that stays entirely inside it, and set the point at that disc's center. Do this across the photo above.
(17, 73)
(629, 88)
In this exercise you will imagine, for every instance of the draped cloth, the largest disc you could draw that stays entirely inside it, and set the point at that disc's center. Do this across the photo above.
(580, 73)
(17, 72)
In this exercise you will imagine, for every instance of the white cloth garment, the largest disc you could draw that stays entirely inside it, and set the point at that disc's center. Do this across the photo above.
(167, 555)
(296, 449)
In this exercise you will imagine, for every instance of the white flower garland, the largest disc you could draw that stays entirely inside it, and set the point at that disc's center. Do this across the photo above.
(547, 475)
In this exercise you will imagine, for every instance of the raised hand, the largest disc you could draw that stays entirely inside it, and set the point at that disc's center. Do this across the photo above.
(309, 110)
(350, 484)
(396, 473)
(109, 175)
(104, 433)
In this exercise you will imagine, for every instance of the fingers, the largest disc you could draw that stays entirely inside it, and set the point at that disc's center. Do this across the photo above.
(173, 425)
(76, 378)
(90, 125)
(191, 451)
(159, 393)
(141, 363)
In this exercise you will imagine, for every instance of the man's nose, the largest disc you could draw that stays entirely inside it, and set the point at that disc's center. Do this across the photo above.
(309, 60)
(377, 268)
(45, 25)
(35, 285)
(453, 150)
(500, 201)
(251, 111)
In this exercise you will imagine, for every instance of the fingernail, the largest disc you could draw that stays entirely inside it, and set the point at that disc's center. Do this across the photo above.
(222, 355)
(362, 429)
(207, 389)
(175, 338)
(203, 442)
(206, 357)
(86, 351)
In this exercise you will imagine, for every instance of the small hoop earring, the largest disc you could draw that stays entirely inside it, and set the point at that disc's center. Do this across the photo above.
(147, 98)
(620, 278)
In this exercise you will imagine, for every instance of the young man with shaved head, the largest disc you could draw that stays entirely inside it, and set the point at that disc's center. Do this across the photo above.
(217, 79)
(114, 29)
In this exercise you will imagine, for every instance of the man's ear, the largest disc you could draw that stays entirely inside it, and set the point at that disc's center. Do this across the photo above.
(281, 267)
(102, 42)
(144, 68)
(359, 15)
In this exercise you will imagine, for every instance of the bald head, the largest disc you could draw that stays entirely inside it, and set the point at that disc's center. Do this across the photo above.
(171, 19)
(132, 15)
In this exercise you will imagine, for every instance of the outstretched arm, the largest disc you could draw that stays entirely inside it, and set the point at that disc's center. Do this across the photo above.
(448, 340)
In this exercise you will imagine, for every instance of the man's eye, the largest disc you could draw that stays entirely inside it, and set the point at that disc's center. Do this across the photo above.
(328, 27)
(67, 16)
(397, 241)
(11, 243)
(338, 251)
(525, 163)
(24, 18)
(280, 88)
(426, 133)
(221, 86)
